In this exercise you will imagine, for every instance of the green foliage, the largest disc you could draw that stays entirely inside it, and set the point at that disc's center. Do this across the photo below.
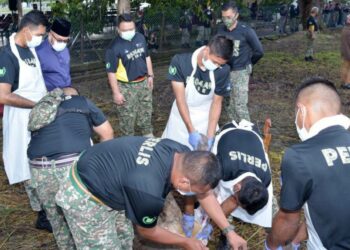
(88, 13)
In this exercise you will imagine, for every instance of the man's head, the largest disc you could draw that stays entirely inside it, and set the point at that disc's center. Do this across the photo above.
(59, 34)
(32, 28)
(126, 27)
(314, 11)
(316, 98)
(217, 52)
(229, 13)
(251, 194)
(196, 172)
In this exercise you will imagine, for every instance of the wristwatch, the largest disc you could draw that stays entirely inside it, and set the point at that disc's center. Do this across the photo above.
(228, 229)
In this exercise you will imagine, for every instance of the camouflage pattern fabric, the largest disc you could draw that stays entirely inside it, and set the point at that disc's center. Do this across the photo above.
(236, 106)
(47, 182)
(32, 196)
(93, 225)
(200, 36)
(45, 110)
(137, 108)
(185, 36)
(309, 46)
(207, 33)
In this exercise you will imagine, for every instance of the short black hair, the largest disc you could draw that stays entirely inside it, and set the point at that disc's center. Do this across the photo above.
(229, 5)
(313, 81)
(221, 46)
(33, 18)
(201, 168)
(253, 195)
(126, 17)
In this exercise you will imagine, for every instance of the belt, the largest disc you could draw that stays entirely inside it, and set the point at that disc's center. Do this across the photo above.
(79, 185)
(44, 162)
(137, 80)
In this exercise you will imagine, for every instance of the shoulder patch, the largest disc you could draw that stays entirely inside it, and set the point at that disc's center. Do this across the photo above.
(172, 70)
(2, 72)
(108, 65)
(148, 220)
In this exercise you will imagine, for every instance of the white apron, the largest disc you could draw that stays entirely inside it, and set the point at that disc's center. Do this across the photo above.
(15, 120)
(263, 217)
(198, 106)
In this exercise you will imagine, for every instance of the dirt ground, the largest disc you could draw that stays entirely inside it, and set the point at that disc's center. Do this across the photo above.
(275, 78)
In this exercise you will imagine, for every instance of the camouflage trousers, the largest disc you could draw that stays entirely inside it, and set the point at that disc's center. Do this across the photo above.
(46, 181)
(32, 196)
(185, 36)
(93, 225)
(200, 35)
(309, 46)
(236, 105)
(207, 33)
(137, 108)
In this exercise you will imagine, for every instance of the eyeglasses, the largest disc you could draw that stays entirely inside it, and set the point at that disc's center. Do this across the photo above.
(60, 40)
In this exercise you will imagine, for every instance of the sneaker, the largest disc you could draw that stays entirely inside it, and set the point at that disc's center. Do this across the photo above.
(42, 222)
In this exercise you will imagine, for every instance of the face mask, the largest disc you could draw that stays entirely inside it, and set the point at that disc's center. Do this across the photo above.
(59, 46)
(303, 133)
(35, 42)
(185, 193)
(127, 35)
(230, 21)
(209, 65)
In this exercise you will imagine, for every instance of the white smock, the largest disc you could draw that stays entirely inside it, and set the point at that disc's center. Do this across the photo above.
(263, 217)
(15, 120)
(198, 106)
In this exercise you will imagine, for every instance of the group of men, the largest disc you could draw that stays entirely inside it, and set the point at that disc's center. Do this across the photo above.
(93, 195)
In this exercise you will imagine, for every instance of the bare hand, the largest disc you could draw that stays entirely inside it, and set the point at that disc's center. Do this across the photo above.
(119, 99)
(194, 244)
(236, 242)
(150, 83)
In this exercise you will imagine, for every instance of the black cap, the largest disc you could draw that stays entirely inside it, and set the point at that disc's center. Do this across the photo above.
(61, 27)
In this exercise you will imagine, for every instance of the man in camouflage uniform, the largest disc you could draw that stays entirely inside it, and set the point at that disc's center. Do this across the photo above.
(247, 50)
(130, 75)
(134, 176)
(54, 147)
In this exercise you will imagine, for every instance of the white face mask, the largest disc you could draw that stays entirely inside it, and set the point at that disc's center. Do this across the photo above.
(127, 35)
(185, 193)
(59, 46)
(35, 42)
(303, 133)
(209, 65)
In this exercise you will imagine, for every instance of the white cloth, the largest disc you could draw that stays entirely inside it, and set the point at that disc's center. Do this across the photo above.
(263, 217)
(15, 120)
(314, 242)
(198, 106)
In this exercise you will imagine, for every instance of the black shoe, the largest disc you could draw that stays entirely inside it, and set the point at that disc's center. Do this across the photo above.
(345, 86)
(42, 222)
(307, 58)
(311, 59)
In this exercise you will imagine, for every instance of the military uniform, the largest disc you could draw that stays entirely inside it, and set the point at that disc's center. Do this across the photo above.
(53, 149)
(247, 50)
(127, 59)
(133, 178)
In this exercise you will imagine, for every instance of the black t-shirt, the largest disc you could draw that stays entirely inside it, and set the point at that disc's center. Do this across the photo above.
(317, 171)
(127, 58)
(131, 174)
(311, 22)
(208, 17)
(240, 151)
(69, 132)
(181, 68)
(9, 65)
(247, 48)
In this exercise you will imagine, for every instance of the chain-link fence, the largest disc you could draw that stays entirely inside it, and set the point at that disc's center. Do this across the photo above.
(161, 28)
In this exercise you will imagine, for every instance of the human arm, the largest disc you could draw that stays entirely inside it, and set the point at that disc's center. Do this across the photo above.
(229, 205)
(255, 45)
(285, 227)
(214, 115)
(9, 98)
(150, 76)
(164, 236)
(104, 131)
(213, 209)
